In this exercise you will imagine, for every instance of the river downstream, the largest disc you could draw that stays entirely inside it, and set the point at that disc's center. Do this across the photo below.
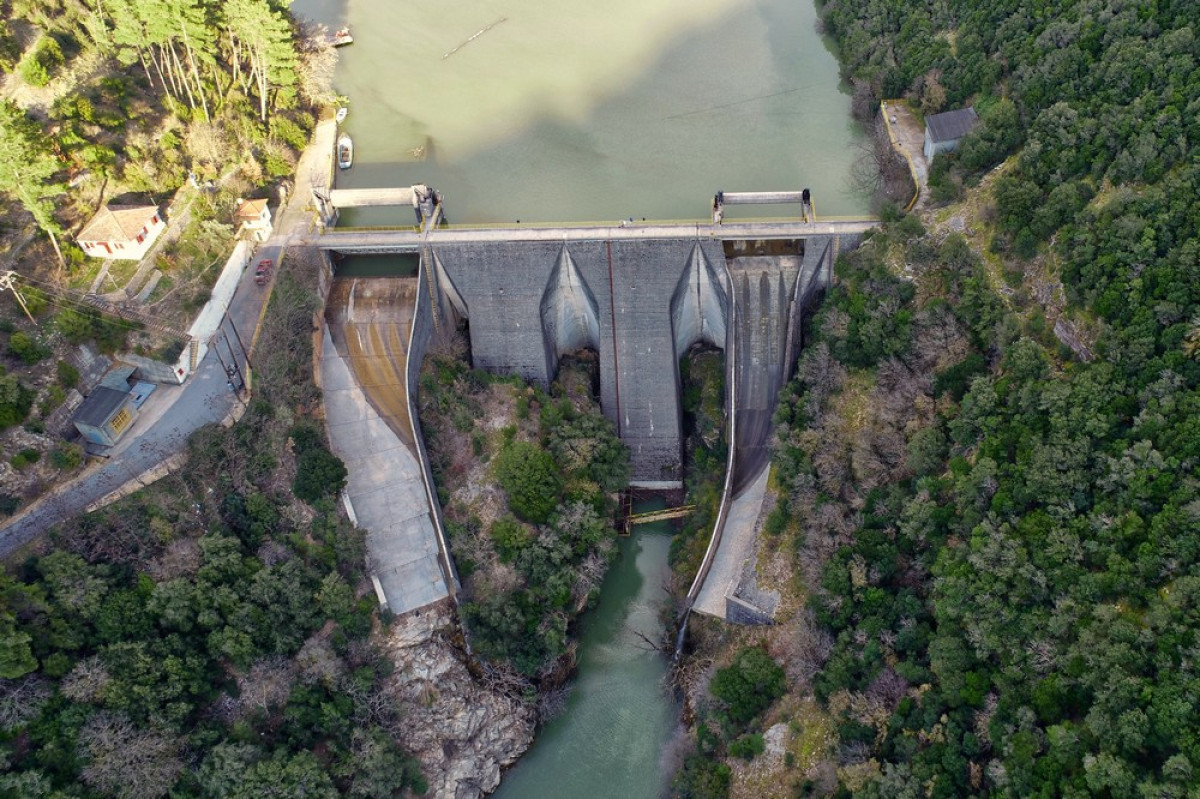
(608, 740)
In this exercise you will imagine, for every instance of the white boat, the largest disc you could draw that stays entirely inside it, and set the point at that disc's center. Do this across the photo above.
(340, 37)
(340, 117)
(345, 151)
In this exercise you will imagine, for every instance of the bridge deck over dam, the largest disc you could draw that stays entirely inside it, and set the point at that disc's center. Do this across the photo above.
(390, 240)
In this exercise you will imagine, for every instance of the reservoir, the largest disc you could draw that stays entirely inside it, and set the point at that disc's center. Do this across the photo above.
(584, 111)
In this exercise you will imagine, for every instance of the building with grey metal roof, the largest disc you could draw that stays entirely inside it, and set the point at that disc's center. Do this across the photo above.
(943, 131)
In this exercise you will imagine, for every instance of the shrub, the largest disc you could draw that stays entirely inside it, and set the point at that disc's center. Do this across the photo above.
(749, 685)
(702, 778)
(957, 379)
(509, 536)
(25, 347)
(15, 401)
(25, 458)
(55, 396)
(319, 473)
(531, 478)
(41, 63)
(67, 457)
(289, 132)
(68, 375)
(748, 746)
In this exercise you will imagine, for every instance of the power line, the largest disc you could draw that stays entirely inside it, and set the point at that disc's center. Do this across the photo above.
(118, 315)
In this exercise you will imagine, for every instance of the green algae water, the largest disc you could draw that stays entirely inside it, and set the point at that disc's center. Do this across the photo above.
(584, 111)
(608, 741)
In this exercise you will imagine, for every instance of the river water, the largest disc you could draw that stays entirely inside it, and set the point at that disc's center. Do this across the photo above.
(586, 111)
(580, 111)
(608, 740)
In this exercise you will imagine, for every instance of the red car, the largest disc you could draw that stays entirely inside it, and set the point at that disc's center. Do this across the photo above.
(263, 273)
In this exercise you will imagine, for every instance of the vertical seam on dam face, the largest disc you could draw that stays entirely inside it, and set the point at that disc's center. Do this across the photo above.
(612, 310)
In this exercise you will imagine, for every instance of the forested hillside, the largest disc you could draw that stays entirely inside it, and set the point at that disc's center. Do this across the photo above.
(132, 96)
(211, 635)
(1000, 535)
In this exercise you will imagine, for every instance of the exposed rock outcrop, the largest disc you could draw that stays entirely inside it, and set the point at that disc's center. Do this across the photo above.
(462, 731)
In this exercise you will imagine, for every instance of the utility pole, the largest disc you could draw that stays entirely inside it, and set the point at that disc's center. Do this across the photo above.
(245, 353)
(235, 369)
(232, 372)
(7, 282)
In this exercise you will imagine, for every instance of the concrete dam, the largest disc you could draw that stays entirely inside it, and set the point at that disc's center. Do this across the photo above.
(640, 297)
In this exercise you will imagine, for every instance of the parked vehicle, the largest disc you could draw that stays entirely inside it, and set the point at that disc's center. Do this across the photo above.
(262, 273)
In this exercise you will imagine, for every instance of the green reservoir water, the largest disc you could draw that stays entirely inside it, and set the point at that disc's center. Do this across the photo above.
(608, 741)
(585, 111)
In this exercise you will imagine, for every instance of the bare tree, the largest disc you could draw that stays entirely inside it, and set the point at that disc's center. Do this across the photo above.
(318, 662)
(126, 761)
(266, 685)
(317, 64)
(879, 171)
(86, 681)
(552, 703)
(21, 700)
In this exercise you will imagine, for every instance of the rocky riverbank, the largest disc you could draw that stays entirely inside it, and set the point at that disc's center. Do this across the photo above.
(463, 731)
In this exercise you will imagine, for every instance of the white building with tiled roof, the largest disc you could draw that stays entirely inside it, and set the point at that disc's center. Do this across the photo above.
(254, 219)
(121, 231)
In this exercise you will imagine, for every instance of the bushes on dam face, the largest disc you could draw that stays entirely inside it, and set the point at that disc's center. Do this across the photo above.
(529, 482)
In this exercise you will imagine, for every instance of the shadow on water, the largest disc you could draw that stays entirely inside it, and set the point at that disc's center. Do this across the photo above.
(398, 265)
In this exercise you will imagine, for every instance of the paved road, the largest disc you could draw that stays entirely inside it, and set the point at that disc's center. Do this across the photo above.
(204, 399)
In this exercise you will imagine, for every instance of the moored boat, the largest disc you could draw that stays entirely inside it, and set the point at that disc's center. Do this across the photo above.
(340, 117)
(345, 151)
(340, 37)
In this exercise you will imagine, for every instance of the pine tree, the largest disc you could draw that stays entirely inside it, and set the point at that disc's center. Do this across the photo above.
(27, 166)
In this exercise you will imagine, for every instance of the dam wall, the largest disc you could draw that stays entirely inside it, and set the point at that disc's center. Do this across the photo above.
(528, 303)
(640, 302)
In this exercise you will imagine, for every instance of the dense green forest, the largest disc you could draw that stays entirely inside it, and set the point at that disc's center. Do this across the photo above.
(209, 636)
(532, 554)
(1003, 548)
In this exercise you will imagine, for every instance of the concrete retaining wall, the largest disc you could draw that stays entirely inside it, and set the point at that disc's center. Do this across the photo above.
(210, 316)
(418, 345)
